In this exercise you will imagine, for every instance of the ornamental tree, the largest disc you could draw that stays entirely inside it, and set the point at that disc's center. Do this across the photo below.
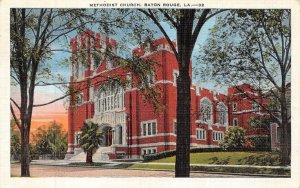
(234, 139)
(90, 139)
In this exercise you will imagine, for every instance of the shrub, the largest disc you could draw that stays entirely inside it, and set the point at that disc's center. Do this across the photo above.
(160, 155)
(234, 139)
(170, 153)
(261, 143)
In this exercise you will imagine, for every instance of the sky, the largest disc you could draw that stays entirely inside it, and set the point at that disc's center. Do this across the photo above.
(58, 111)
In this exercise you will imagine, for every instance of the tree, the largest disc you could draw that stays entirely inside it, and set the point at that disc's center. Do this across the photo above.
(90, 139)
(50, 139)
(234, 139)
(255, 49)
(34, 35)
(187, 23)
(33, 32)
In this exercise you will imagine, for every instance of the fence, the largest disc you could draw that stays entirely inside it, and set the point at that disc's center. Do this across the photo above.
(38, 156)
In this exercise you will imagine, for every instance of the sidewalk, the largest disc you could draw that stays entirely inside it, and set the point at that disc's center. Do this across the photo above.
(116, 163)
(68, 162)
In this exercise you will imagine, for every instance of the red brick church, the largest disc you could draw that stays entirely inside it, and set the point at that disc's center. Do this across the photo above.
(131, 127)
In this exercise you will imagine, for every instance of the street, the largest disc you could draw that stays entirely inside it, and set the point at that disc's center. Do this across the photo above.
(67, 171)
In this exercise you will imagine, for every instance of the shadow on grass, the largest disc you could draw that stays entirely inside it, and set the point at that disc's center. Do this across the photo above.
(216, 160)
(266, 159)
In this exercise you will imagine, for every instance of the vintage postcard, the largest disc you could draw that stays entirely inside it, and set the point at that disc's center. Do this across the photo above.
(141, 93)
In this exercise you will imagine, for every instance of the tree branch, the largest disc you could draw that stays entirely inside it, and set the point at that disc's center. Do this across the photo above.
(264, 66)
(15, 117)
(74, 92)
(198, 27)
(15, 103)
(169, 18)
(212, 15)
(151, 16)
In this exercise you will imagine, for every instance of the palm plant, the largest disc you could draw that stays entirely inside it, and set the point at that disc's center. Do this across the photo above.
(90, 139)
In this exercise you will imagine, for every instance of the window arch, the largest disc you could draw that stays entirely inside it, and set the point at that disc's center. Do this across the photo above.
(222, 114)
(113, 98)
(119, 134)
(206, 111)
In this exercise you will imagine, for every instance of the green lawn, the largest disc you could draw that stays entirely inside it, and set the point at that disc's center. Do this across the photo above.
(230, 158)
(224, 158)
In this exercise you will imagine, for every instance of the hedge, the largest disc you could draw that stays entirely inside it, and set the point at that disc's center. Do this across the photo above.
(261, 143)
(170, 153)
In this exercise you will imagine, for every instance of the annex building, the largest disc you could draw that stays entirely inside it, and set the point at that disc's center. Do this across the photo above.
(130, 125)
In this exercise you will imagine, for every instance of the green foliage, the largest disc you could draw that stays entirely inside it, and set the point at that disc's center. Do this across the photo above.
(260, 122)
(220, 157)
(160, 155)
(249, 46)
(261, 143)
(90, 137)
(234, 139)
(171, 153)
(50, 139)
(15, 140)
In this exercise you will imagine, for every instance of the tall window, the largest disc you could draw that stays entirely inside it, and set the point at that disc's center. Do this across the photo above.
(235, 122)
(96, 58)
(79, 99)
(206, 111)
(119, 133)
(175, 76)
(150, 79)
(218, 136)
(200, 134)
(222, 114)
(109, 64)
(77, 137)
(149, 128)
(82, 62)
(234, 107)
(175, 127)
(111, 99)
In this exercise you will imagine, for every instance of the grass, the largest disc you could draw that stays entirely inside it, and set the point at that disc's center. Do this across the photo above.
(152, 167)
(224, 158)
(230, 158)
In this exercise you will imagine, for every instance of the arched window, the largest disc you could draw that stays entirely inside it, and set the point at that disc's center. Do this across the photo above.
(79, 99)
(110, 99)
(175, 76)
(119, 135)
(222, 114)
(206, 111)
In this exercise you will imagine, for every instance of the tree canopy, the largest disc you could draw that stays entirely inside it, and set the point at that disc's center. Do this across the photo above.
(50, 139)
(254, 47)
(90, 139)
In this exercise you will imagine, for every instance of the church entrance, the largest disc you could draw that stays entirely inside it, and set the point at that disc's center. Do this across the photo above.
(108, 137)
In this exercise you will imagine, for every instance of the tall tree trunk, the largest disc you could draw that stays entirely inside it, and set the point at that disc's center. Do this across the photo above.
(25, 155)
(89, 157)
(184, 35)
(183, 128)
(285, 136)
